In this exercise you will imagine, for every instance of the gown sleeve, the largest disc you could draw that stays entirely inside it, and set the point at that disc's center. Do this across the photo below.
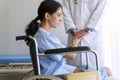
(50, 42)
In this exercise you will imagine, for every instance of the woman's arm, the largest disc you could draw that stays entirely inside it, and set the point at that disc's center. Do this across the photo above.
(75, 42)
(71, 56)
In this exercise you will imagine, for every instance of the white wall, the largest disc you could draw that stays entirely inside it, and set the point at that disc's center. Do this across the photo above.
(14, 16)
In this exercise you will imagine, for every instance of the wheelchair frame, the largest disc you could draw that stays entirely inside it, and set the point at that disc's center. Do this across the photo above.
(32, 43)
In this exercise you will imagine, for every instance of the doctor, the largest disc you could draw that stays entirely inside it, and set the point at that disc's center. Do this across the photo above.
(81, 18)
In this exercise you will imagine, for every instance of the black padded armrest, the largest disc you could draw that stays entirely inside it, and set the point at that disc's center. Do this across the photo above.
(64, 50)
(71, 49)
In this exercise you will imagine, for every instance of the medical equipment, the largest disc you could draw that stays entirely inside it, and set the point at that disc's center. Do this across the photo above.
(11, 63)
(36, 74)
(14, 67)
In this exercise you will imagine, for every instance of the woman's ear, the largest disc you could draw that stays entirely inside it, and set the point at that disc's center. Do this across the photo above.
(47, 15)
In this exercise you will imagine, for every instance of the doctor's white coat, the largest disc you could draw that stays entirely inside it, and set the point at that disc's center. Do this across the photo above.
(81, 14)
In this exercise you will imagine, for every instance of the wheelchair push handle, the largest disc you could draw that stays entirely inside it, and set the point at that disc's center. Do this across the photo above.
(28, 39)
(25, 37)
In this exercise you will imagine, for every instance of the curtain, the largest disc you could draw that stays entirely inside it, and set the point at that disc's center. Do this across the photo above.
(111, 36)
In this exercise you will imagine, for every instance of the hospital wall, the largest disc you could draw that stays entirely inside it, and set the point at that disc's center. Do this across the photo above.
(14, 16)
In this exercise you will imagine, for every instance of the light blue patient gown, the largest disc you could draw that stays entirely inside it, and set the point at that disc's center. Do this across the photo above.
(54, 64)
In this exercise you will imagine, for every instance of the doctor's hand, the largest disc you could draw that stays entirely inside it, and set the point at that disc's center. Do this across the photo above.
(74, 32)
(81, 33)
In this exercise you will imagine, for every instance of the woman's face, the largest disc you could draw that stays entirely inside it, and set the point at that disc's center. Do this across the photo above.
(55, 18)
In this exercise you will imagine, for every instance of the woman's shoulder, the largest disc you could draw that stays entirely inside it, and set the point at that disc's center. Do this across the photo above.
(40, 33)
(44, 36)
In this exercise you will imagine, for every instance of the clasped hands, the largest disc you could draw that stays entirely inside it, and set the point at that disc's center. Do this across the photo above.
(78, 35)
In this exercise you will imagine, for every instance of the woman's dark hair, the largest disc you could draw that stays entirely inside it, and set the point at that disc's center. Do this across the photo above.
(49, 6)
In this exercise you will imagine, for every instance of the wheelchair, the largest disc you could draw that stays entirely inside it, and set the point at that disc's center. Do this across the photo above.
(35, 74)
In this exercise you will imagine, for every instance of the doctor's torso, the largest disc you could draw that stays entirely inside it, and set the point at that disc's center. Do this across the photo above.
(81, 11)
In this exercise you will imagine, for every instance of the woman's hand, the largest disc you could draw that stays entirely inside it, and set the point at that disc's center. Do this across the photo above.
(75, 40)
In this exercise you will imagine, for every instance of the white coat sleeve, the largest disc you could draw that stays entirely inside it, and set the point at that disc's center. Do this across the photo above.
(96, 14)
(68, 21)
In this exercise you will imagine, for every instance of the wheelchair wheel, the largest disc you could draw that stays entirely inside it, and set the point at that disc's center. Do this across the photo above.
(30, 76)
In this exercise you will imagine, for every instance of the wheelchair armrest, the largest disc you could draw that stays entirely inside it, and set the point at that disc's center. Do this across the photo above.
(72, 49)
(69, 49)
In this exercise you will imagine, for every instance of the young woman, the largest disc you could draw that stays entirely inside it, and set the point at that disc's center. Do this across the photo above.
(50, 16)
